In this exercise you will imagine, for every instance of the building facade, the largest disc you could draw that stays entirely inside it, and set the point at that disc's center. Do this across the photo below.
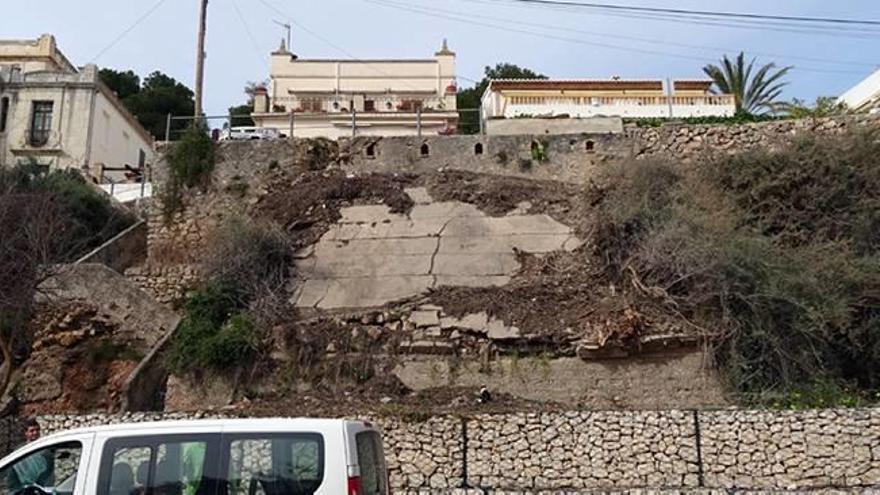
(865, 96)
(580, 99)
(337, 98)
(55, 114)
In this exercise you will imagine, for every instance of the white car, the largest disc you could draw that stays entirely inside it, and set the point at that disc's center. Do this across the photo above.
(249, 133)
(210, 457)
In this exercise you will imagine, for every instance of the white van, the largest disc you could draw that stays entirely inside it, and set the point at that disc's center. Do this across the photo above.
(210, 457)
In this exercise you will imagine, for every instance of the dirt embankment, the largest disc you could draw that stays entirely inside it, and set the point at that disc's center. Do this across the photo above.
(77, 363)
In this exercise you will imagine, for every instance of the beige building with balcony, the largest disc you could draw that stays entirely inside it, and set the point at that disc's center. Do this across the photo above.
(59, 115)
(582, 99)
(337, 98)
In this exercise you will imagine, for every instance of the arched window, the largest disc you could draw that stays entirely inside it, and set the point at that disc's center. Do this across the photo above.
(426, 150)
(371, 150)
(478, 149)
(590, 146)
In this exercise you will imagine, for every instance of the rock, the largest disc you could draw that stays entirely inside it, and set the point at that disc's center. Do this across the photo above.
(474, 322)
(497, 330)
(422, 319)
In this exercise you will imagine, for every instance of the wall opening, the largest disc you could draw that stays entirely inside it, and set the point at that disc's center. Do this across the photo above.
(4, 112)
(425, 150)
(478, 149)
(371, 150)
(590, 146)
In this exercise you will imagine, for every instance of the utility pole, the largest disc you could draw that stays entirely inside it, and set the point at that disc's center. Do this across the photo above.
(200, 56)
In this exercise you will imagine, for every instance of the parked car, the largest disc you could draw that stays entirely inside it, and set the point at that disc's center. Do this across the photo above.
(210, 457)
(249, 133)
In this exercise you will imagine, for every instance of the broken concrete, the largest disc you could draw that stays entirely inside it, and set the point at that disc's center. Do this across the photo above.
(372, 256)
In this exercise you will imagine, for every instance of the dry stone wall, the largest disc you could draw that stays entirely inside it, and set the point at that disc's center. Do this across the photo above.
(595, 451)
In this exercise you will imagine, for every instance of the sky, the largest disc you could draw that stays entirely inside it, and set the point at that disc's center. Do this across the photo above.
(559, 43)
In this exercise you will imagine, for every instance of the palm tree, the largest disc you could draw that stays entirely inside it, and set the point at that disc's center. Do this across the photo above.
(754, 93)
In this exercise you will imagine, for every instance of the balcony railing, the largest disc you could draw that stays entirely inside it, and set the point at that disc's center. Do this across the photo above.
(713, 100)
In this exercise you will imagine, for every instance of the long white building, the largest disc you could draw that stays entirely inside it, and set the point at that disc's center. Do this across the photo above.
(865, 96)
(56, 114)
(335, 98)
(603, 98)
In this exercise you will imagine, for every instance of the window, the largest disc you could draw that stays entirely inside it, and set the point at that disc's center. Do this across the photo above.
(274, 465)
(50, 470)
(478, 149)
(142, 159)
(425, 150)
(590, 146)
(157, 466)
(371, 461)
(369, 106)
(41, 123)
(4, 112)
(371, 150)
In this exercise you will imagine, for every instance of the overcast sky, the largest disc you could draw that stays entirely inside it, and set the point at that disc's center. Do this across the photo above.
(560, 44)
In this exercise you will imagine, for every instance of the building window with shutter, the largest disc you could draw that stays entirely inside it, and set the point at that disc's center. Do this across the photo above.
(41, 123)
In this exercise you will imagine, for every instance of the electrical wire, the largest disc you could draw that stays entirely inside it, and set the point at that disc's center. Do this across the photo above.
(247, 28)
(702, 13)
(129, 29)
(836, 31)
(469, 20)
(652, 41)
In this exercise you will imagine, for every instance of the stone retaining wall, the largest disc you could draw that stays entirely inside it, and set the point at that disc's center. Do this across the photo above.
(244, 169)
(576, 452)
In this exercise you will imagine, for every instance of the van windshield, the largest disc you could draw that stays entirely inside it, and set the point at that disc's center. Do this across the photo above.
(50, 470)
(371, 461)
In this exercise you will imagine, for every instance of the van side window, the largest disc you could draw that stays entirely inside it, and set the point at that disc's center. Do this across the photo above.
(130, 471)
(371, 461)
(155, 465)
(274, 464)
(50, 470)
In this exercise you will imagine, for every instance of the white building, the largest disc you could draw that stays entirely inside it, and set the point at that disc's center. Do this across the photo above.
(58, 115)
(336, 98)
(865, 96)
(582, 99)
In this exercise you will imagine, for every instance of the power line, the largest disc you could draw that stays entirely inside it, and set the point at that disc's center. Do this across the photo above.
(652, 41)
(703, 13)
(469, 20)
(247, 29)
(131, 28)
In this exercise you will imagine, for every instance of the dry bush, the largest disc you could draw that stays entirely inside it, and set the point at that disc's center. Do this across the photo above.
(785, 288)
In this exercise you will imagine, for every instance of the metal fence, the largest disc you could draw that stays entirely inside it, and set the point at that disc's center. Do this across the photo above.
(175, 126)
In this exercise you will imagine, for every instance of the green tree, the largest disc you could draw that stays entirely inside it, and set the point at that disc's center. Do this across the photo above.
(470, 98)
(241, 113)
(824, 106)
(754, 91)
(152, 101)
(124, 84)
(161, 95)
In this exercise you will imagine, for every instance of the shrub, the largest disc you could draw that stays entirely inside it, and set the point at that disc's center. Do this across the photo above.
(246, 267)
(767, 254)
(255, 257)
(214, 335)
(89, 217)
(190, 164)
(192, 158)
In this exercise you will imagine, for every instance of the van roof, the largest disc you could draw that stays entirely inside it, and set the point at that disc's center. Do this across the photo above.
(270, 425)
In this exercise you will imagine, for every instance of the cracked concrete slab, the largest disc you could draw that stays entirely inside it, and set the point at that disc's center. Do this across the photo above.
(372, 256)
